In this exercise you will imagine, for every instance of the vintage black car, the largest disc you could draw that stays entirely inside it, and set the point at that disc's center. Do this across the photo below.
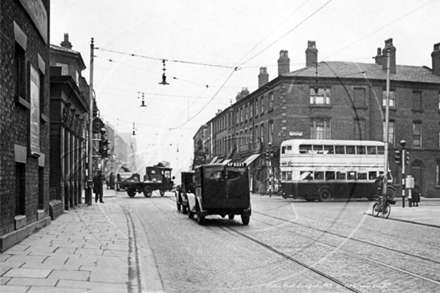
(187, 186)
(220, 189)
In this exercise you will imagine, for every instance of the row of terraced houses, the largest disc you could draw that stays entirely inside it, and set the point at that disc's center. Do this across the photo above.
(332, 100)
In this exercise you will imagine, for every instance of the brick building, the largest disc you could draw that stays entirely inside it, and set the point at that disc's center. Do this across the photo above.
(69, 116)
(336, 100)
(25, 112)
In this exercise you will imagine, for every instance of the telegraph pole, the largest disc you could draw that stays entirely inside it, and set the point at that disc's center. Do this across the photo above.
(387, 114)
(90, 167)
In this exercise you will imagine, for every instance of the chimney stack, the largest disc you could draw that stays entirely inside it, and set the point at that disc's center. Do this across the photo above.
(263, 77)
(283, 62)
(389, 45)
(240, 95)
(66, 43)
(379, 57)
(436, 60)
(311, 54)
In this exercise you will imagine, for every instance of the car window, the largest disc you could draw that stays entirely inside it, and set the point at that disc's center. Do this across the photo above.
(233, 175)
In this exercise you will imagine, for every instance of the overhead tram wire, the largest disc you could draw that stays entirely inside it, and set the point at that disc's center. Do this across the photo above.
(366, 36)
(227, 79)
(295, 27)
(168, 60)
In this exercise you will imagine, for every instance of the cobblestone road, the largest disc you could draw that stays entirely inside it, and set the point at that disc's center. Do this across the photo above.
(338, 240)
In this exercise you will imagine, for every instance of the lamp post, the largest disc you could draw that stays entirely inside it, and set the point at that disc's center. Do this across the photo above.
(387, 114)
(90, 156)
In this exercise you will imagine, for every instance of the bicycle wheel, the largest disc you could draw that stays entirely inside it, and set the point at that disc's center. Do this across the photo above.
(387, 211)
(376, 209)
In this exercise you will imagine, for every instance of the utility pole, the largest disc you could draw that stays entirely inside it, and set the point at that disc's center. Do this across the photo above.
(387, 114)
(89, 173)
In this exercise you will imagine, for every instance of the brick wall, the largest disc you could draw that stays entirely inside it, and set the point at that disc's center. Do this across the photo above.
(15, 117)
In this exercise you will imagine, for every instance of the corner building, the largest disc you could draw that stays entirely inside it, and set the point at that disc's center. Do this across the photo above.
(24, 122)
(336, 100)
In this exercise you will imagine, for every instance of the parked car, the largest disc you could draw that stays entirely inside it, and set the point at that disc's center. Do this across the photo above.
(220, 189)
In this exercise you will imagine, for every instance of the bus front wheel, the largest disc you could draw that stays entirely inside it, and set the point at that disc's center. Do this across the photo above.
(325, 195)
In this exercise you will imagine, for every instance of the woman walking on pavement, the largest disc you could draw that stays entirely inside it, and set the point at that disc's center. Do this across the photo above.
(97, 186)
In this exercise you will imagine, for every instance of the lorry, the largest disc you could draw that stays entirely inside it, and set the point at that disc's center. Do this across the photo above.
(157, 177)
(220, 189)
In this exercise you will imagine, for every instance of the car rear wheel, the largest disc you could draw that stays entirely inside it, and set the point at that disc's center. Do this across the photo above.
(148, 191)
(200, 219)
(245, 219)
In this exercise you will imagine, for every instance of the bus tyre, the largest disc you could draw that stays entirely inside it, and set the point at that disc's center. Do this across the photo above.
(325, 195)
(391, 192)
(231, 216)
(245, 219)
(148, 191)
(131, 192)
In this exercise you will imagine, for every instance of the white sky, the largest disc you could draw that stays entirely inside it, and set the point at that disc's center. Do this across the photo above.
(221, 33)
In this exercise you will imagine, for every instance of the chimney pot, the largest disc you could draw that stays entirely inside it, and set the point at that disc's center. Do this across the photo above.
(66, 43)
(379, 57)
(436, 60)
(311, 54)
(263, 77)
(283, 62)
(392, 51)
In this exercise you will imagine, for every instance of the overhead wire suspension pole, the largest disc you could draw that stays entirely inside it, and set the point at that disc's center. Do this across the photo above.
(387, 114)
(90, 167)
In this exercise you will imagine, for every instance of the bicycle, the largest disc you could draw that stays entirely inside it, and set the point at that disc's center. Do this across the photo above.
(379, 208)
(383, 204)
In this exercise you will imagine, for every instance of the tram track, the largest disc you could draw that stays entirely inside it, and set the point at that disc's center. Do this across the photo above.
(364, 258)
(349, 238)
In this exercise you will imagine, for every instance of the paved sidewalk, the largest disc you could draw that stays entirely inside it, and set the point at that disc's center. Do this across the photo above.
(427, 213)
(87, 249)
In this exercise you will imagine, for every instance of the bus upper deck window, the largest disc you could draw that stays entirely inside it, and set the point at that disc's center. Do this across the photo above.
(305, 149)
(340, 149)
(318, 149)
(350, 150)
(381, 150)
(371, 150)
(360, 150)
(328, 149)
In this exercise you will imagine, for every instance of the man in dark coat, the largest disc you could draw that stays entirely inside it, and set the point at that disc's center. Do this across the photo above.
(97, 186)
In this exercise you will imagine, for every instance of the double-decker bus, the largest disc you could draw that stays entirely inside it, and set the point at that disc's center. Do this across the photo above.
(327, 169)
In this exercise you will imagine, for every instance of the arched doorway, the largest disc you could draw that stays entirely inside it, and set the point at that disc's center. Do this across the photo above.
(416, 170)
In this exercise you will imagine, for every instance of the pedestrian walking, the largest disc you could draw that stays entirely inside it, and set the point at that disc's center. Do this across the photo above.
(97, 186)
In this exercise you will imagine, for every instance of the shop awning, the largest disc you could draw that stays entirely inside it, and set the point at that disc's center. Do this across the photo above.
(249, 160)
(226, 161)
(213, 160)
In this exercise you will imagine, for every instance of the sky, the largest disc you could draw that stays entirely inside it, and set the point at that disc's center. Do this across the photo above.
(215, 48)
